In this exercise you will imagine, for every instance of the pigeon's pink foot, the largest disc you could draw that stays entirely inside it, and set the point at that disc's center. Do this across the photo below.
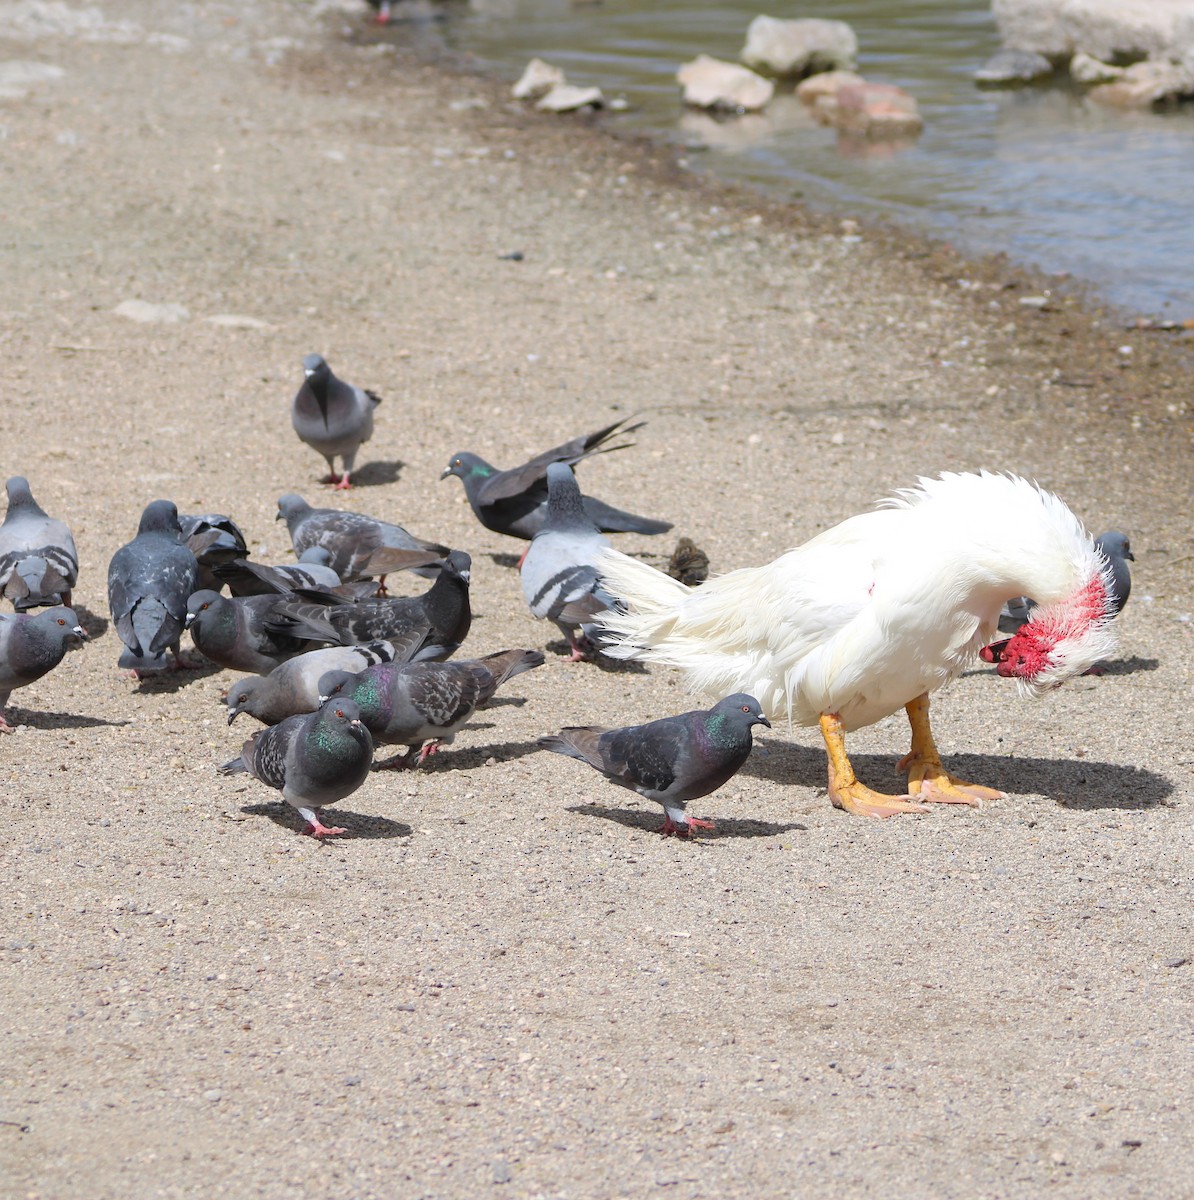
(320, 830)
(684, 831)
(331, 477)
(583, 649)
(342, 484)
(428, 750)
(524, 557)
(700, 823)
(5, 727)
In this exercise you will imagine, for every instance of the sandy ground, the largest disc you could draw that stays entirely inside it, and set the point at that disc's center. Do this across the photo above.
(503, 981)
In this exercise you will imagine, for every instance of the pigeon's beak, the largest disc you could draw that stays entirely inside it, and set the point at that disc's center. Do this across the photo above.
(80, 633)
(190, 620)
(233, 715)
(445, 472)
(1129, 556)
(762, 720)
(358, 723)
(279, 517)
(323, 700)
(307, 373)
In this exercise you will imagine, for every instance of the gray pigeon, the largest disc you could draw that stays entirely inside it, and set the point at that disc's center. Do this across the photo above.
(406, 704)
(293, 686)
(234, 632)
(559, 576)
(333, 417)
(149, 581)
(673, 760)
(32, 646)
(38, 561)
(441, 616)
(313, 759)
(350, 538)
(1116, 549)
(514, 502)
(212, 538)
(247, 578)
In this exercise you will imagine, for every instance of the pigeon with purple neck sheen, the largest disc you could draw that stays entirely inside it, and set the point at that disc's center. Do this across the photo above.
(32, 645)
(351, 538)
(149, 582)
(39, 564)
(332, 417)
(559, 578)
(514, 502)
(672, 760)
(233, 631)
(314, 760)
(422, 705)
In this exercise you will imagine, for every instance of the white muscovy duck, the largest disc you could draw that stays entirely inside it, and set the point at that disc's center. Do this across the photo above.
(877, 612)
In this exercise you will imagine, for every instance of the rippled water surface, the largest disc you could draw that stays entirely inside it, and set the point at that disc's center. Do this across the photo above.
(1040, 173)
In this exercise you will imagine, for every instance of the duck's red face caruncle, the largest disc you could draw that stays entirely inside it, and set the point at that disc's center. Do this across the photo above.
(1019, 657)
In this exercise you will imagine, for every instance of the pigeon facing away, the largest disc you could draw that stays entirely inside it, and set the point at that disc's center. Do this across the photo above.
(313, 760)
(247, 578)
(149, 581)
(212, 538)
(38, 561)
(350, 538)
(673, 760)
(441, 616)
(292, 687)
(333, 417)
(421, 705)
(559, 578)
(233, 632)
(33, 645)
(514, 502)
(1116, 549)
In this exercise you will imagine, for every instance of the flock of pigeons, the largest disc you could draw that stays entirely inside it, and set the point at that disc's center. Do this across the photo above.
(836, 633)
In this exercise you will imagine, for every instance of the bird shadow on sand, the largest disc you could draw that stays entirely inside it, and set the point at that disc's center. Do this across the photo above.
(506, 702)
(650, 822)
(60, 720)
(374, 474)
(93, 624)
(505, 560)
(611, 666)
(176, 680)
(360, 826)
(1126, 666)
(468, 758)
(1077, 783)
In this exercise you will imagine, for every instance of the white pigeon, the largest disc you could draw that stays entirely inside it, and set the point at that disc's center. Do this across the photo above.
(877, 612)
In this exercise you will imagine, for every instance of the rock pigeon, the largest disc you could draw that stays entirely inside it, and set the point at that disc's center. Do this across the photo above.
(1118, 551)
(332, 416)
(673, 760)
(149, 581)
(441, 616)
(514, 502)
(38, 561)
(877, 612)
(350, 538)
(406, 704)
(32, 645)
(212, 538)
(233, 632)
(247, 578)
(313, 759)
(559, 574)
(293, 686)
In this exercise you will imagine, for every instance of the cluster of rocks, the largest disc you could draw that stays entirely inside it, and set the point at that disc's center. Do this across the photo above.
(1128, 54)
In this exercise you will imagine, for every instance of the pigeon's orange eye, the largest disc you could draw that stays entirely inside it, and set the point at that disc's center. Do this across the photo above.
(61, 621)
(339, 712)
(241, 699)
(746, 708)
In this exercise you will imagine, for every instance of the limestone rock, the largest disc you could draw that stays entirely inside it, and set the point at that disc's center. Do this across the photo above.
(1013, 66)
(871, 110)
(1084, 69)
(826, 83)
(711, 83)
(1146, 83)
(790, 49)
(1104, 29)
(537, 80)
(566, 97)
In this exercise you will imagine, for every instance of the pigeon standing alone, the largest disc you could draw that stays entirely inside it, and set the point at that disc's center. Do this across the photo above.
(559, 578)
(514, 502)
(149, 582)
(333, 417)
(38, 561)
(32, 645)
(672, 760)
(314, 760)
(422, 705)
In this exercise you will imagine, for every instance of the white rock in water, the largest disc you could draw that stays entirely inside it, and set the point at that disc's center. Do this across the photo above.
(564, 97)
(1162, 29)
(872, 110)
(802, 47)
(1084, 69)
(711, 83)
(826, 83)
(1146, 83)
(537, 80)
(1013, 66)
(150, 314)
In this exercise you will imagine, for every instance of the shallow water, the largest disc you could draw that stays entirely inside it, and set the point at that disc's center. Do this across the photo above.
(1040, 173)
